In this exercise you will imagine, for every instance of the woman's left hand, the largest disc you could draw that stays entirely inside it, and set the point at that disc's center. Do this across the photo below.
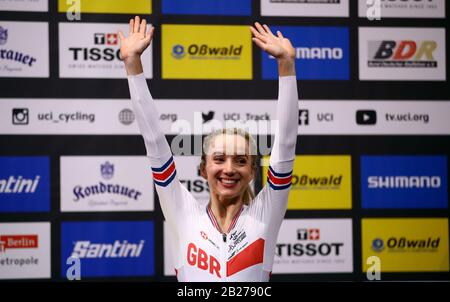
(277, 46)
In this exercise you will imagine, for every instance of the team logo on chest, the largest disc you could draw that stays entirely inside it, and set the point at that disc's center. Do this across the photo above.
(236, 238)
(206, 237)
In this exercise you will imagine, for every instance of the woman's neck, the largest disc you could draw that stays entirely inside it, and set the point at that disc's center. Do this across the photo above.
(225, 210)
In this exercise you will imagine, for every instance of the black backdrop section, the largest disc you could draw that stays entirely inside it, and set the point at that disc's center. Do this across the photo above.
(56, 146)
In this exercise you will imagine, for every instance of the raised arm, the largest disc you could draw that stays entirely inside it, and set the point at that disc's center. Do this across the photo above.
(131, 49)
(270, 204)
(173, 196)
(283, 151)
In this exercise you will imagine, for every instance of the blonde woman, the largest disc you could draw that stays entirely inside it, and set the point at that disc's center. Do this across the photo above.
(233, 236)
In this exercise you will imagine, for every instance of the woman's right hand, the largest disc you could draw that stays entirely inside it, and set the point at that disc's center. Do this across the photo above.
(137, 41)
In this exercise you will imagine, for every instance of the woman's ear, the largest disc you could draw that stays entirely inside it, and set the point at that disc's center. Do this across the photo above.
(203, 172)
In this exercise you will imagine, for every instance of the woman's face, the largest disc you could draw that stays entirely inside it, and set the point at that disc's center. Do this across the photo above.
(228, 168)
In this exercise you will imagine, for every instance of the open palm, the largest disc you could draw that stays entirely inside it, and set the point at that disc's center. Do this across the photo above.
(277, 46)
(138, 39)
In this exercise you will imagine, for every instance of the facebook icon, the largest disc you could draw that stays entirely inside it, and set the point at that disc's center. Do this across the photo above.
(303, 117)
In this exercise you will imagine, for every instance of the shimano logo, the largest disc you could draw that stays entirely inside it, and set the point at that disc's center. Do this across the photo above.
(14, 185)
(396, 182)
(320, 53)
(118, 249)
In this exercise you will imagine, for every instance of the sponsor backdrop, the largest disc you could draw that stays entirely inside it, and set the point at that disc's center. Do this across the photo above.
(370, 179)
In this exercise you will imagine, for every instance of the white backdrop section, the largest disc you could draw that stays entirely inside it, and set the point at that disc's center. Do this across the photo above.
(91, 50)
(371, 38)
(318, 117)
(189, 176)
(314, 246)
(405, 9)
(24, 5)
(106, 183)
(20, 56)
(305, 8)
(30, 256)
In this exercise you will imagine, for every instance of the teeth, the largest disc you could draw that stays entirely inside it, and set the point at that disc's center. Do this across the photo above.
(229, 181)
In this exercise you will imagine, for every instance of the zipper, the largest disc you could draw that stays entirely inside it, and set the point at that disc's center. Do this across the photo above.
(224, 256)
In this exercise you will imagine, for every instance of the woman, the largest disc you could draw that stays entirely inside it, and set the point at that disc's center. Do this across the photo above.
(233, 237)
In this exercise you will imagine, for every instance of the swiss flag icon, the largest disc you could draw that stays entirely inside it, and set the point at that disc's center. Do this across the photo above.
(111, 39)
(314, 234)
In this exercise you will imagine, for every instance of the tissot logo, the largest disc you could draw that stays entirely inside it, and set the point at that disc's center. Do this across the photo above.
(310, 249)
(91, 50)
(308, 234)
(303, 117)
(105, 39)
(366, 117)
(314, 245)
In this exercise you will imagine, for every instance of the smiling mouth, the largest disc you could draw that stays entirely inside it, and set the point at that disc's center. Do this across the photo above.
(228, 182)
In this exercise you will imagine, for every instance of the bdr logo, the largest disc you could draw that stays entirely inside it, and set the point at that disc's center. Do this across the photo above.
(403, 54)
(396, 53)
(109, 248)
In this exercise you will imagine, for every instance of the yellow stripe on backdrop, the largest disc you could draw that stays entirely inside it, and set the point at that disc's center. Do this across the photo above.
(320, 182)
(109, 6)
(206, 52)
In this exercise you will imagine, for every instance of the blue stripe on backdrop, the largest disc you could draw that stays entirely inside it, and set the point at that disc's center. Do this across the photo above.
(207, 7)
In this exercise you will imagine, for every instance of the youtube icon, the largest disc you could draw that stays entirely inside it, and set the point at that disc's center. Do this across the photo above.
(366, 117)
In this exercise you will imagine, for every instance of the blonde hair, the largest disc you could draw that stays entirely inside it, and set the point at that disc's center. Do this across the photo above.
(248, 193)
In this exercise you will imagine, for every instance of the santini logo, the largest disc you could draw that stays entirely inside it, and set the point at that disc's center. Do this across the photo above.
(14, 185)
(118, 249)
(406, 182)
